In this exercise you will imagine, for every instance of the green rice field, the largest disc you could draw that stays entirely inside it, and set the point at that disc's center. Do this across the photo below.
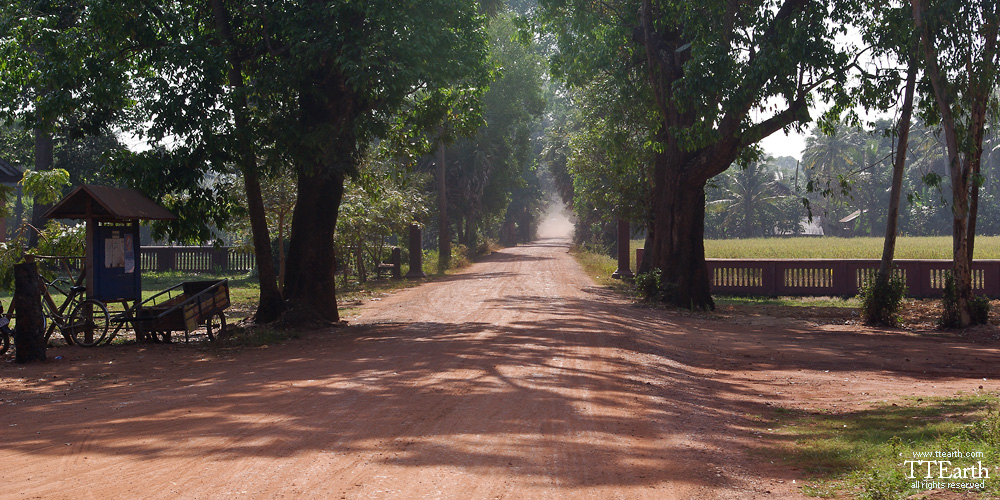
(907, 247)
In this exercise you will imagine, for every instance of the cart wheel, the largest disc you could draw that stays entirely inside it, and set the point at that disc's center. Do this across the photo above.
(88, 323)
(216, 326)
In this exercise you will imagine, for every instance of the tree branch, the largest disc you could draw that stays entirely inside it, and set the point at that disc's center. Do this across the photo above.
(797, 111)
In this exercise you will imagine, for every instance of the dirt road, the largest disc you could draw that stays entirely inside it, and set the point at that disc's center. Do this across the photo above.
(516, 379)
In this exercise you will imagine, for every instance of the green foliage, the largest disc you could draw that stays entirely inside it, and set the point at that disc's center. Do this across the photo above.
(16, 143)
(380, 202)
(701, 83)
(255, 336)
(491, 173)
(55, 239)
(979, 306)
(45, 186)
(950, 314)
(58, 69)
(183, 181)
(882, 300)
(754, 200)
(883, 486)
(649, 286)
(848, 169)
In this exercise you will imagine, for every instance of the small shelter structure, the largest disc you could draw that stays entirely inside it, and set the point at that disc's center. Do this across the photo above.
(111, 265)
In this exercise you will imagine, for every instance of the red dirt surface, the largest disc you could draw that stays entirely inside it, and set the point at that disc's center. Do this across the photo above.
(517, 379)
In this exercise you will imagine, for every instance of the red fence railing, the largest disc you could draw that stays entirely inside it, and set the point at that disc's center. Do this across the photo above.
(839, 277)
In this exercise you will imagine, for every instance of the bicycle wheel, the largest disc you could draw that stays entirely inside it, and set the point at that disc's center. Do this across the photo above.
(88, 323)
(216, 326)
(5, 335)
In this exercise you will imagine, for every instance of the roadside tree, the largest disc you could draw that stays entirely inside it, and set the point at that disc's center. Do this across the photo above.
(719, 76)
(959, 44)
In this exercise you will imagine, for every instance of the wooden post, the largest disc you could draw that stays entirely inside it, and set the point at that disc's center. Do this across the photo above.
(89, 266)
(416, 253)
(397, 263)
(29, 331)
(220, 259)
(624, 254)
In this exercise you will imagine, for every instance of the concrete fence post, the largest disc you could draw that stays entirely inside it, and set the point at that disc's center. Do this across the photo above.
(416, 253)
(624, 251)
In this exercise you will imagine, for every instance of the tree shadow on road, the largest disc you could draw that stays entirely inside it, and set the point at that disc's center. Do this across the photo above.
(572, 392)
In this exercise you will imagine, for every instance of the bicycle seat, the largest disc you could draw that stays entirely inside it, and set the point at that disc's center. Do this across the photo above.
(77, 289)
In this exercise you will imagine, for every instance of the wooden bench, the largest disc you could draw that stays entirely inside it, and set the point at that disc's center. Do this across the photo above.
(394, 266)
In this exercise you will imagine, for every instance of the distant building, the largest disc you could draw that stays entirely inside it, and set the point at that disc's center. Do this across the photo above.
(812, 227)
(848, 224)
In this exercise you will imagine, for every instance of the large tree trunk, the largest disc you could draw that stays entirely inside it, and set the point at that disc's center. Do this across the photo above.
(899, 165)
(310, 287)
(271, 304)
(678, 247)
(281, 251)
(29, 338)
(44, 148)
(961, 265)
(444, 236)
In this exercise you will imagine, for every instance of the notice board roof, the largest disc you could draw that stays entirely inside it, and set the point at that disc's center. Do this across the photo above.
(107, 204)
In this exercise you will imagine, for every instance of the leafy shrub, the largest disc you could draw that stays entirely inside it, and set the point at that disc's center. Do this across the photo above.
(881, 300)
(979, 306)
(649, 286)
(460, 256)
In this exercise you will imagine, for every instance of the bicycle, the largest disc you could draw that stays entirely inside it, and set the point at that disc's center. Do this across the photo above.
(88, 320)
(6, 334)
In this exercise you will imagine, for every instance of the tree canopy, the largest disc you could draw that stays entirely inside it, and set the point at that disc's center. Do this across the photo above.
(717, 77)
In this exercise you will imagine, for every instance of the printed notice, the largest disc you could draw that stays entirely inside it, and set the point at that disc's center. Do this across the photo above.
(129, 255)
(114, 252)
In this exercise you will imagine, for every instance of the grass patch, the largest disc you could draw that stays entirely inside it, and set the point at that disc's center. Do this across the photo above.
(864, 454)
(828, 247)
(600, 268)
(243, 288)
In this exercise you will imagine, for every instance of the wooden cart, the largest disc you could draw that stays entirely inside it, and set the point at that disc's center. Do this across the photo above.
(184, 307)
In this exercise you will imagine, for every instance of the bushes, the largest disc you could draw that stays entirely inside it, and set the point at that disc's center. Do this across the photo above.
(979, 306)
(881, 300)
(648, 285)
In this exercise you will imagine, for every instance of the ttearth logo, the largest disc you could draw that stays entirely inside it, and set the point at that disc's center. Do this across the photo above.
(938, 470)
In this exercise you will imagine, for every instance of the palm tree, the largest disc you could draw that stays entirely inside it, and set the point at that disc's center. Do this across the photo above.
(750, 204)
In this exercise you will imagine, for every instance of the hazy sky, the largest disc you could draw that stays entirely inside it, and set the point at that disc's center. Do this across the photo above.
(779, 144)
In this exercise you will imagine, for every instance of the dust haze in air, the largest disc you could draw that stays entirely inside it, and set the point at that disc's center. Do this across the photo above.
(557, 222)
